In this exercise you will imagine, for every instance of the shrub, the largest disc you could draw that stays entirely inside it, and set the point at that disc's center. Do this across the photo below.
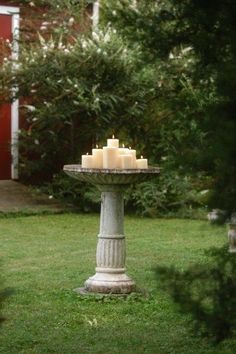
(170, 194)
(82, 196)
(206, 292)
(78, 91)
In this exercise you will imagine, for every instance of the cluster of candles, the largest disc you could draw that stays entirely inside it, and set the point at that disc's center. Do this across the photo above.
(113, 157)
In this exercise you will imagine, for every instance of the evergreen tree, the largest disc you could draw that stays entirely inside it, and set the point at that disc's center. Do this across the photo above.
(207, 97)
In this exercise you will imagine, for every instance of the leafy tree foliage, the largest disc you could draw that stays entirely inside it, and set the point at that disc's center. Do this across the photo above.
(159, 73)
(78, 90)
(202, 102)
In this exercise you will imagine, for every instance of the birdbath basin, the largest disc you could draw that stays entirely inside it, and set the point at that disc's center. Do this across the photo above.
(110, 276)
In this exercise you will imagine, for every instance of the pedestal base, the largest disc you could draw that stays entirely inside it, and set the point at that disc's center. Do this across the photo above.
(84, 292)
(110, 284)
(110, 277)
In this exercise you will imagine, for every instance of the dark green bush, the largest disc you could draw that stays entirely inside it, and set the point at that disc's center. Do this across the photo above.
(198, 128)
(79, 195)
(206, 292)
(170, 194)
(141, 75)
(82, 91)
(167, 195)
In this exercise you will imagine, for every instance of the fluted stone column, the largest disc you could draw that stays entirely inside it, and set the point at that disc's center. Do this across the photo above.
(110, 274)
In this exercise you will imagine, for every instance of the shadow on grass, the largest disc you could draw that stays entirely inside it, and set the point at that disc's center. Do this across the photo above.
(206, 292)
(4, 293)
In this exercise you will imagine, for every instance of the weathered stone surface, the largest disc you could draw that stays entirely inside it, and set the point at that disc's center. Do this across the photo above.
(110, 284)
(110, 176)
(110, 277)
(110, 274)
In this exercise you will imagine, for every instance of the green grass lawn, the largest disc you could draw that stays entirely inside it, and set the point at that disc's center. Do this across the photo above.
(45, 257)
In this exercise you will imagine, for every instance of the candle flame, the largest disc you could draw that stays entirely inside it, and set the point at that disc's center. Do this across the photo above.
(113, 136)
(141, 156)
(123, 145)
(87, 153)
(130, 147)
(97, 146)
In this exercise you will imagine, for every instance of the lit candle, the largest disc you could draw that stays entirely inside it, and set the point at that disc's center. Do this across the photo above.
(125, 161)
(132, 152)
(123, 150)
(87, 161)
(114, 143)
(110, 157)
(142, 163)
(97, 157)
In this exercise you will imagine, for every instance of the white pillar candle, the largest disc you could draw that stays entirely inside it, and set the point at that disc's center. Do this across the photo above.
(114, 143)
(142, 163)
(87, 161)
(98, 157)
(123, 151)
(125, 161)
(132, 152)
(110, 157)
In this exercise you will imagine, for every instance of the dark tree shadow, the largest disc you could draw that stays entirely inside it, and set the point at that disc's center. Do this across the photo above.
(4, 293)
(206, 292)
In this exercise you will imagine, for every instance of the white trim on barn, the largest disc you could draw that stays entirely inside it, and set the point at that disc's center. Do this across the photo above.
(9, 10)
(14, 12)
(14, 138)
(95, 17)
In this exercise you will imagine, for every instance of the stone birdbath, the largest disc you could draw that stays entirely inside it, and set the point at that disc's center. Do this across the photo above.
(110, 276)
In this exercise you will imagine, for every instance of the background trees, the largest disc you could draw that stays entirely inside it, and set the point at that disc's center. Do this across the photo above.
(159, 73)
(203, 100)
(78, 86)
